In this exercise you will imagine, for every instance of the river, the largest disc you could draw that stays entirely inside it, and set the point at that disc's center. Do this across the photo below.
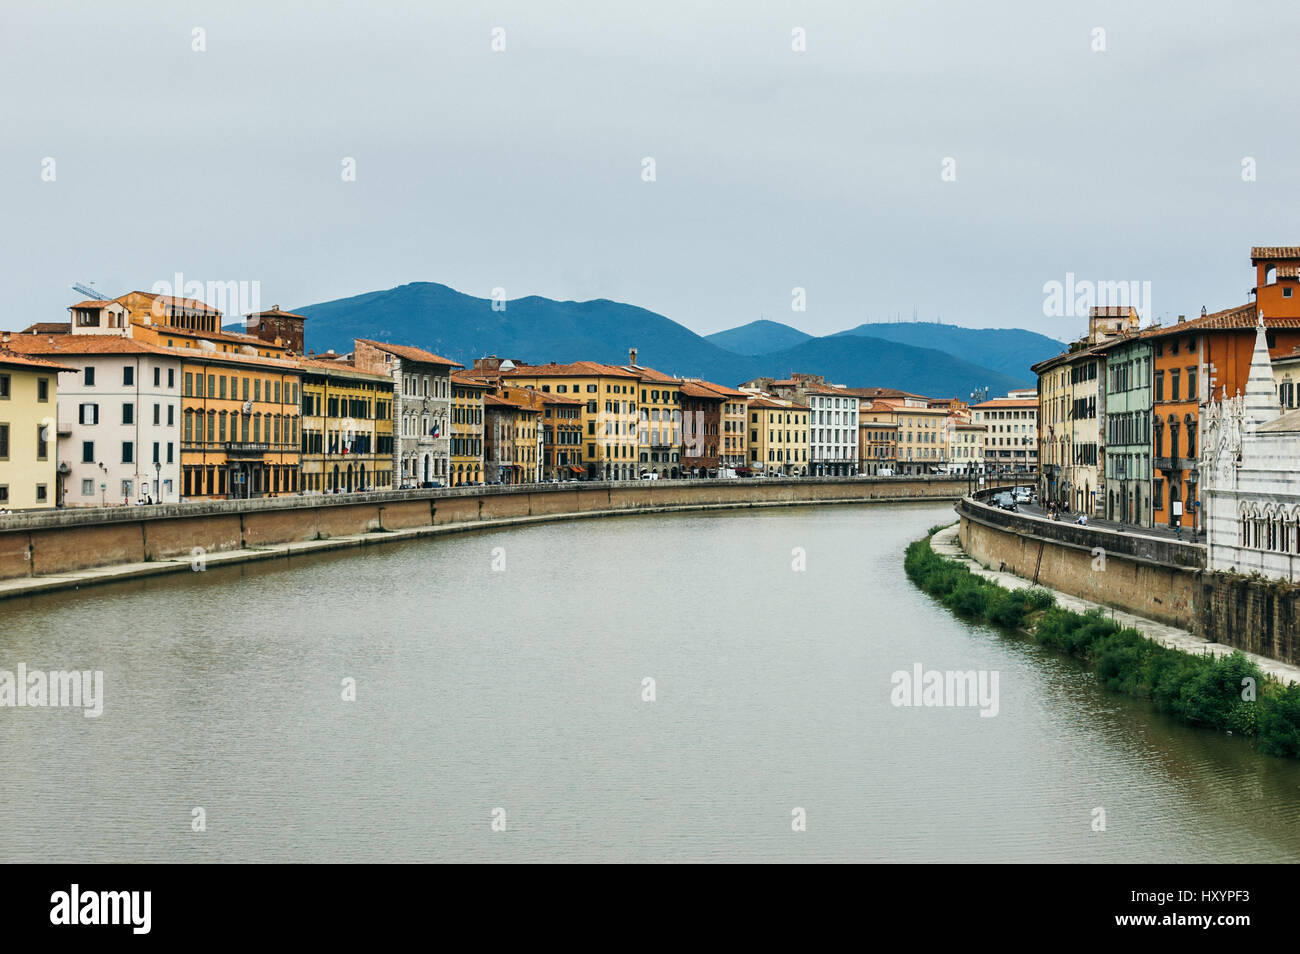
(500, 678)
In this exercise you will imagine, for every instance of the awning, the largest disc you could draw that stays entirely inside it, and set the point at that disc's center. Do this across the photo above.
(576, 469)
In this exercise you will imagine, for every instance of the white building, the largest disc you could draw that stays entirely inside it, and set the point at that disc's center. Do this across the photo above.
(421, 409)
(119, 420)
(1250, 478)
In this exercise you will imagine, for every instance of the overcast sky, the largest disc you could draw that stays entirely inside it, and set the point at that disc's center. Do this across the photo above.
(774, 168)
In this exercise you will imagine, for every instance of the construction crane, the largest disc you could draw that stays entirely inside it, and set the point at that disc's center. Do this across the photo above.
(85, 289)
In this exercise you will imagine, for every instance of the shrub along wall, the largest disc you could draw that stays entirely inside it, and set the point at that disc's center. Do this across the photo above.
(1227, 693)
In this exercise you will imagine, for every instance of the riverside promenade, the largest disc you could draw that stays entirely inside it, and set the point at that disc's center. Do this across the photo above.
(946, 543)
(43, 551)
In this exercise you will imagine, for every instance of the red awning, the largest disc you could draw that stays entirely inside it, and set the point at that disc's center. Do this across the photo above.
(576, 469)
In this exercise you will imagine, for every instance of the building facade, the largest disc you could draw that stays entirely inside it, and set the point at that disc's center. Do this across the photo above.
(778, 437)
(659, 436)
(347, 428)
(1250, 484)
(1010, 440)
(29, 418)
(421, 408)
(610, 416)
(1128, 470)
(467, 429)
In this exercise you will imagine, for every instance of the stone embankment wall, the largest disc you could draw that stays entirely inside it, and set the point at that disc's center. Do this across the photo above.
(40, 543)
(1161, 579)
(1148, 576)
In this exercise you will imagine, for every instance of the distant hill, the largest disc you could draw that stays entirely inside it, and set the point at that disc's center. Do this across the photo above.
(887, 364)
(537, 330)
(758, 337)
(1008, 350)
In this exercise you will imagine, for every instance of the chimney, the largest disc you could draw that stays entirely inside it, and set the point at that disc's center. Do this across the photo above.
(631, 356)
(1181, 319)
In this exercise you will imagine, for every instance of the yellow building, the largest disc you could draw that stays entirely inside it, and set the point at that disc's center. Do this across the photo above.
(512, 452)
(28, 429)
(877, 437)
(241, 425)
(659, 436)
(610, 416)
(920, 433)
(466, 429)
(347, 428)
(778, 437)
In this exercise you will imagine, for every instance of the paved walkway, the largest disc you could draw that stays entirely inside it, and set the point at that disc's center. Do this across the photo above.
(1160, 532)
(945, 543)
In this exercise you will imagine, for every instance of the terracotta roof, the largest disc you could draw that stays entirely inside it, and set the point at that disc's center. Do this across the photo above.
(650, 375)
(340, 367)
(10, 360)
(883, 393)
(1260, 253)
(79, 344)
(466, 379)
(491, 400)
(48, 328)
(94, 303)
(275, 312)
(691, 389)
(410, 353)
(231, 336)
(1291, 270)
(578, 369)
(186, 304)
(780, 405)
(116, 344)
(1006, 402)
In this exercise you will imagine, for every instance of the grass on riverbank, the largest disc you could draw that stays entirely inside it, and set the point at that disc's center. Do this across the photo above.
(1199, 690)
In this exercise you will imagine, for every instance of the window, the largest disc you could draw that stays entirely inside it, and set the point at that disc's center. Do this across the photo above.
(42, 389)
(128, 413)
(128, 376)
(42, 443)
(189, 384)
(128, 452)
(88, 414)
(4, 441)
(87, 452)
(87, 487)
(157, 377)
(171, 377)
(88, 376)
(128, 489)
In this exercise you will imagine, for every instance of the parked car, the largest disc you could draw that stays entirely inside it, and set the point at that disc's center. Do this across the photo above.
(1006, 501)
(650, 476)
(1023, 495)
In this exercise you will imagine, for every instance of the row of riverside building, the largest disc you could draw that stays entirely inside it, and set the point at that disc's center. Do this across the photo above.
(1193, 424)
(146, 398)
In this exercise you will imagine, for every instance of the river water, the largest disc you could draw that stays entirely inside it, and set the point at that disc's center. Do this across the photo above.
(500, 677)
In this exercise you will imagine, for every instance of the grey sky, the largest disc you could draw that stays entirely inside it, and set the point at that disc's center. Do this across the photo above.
(775, 169)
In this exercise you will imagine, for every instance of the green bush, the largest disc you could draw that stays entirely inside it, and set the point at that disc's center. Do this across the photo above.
(1200, 690)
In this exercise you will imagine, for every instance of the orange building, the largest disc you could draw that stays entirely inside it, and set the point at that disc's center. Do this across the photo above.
(1208, 358)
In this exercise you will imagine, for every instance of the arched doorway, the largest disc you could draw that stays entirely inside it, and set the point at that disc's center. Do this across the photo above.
(334, 483)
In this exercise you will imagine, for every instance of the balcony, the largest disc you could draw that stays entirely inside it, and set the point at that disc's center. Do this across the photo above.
(1173, 463)
(246, 449)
